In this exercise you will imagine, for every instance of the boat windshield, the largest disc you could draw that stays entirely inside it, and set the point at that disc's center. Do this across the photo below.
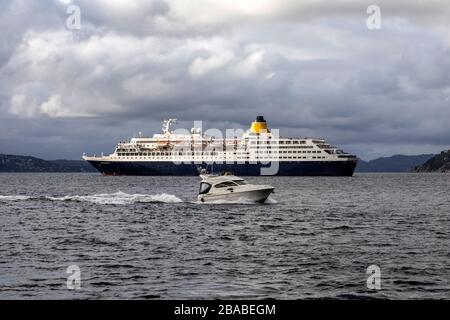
(225, 184)
(240, 182)
(204, 188)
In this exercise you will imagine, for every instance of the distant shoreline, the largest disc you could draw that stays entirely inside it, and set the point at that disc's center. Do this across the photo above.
(16, 163)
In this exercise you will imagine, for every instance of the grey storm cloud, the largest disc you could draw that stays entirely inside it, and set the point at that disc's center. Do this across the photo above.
(311, 67)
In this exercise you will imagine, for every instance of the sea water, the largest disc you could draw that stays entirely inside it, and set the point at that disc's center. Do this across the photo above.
(148, 237)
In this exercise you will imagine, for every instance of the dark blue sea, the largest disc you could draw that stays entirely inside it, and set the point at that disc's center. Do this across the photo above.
(148, 238)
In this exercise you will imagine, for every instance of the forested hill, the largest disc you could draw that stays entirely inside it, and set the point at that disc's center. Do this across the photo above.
(13, 163)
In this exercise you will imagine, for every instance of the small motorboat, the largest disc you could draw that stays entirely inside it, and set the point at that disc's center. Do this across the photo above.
(228, 187)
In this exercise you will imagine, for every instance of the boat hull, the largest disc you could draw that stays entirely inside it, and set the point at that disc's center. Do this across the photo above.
(259, 195)
(165, 168)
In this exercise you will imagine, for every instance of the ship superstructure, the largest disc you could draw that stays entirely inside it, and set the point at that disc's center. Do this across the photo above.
(171, 153)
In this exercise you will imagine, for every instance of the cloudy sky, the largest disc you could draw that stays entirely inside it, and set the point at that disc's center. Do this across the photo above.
(312, 68)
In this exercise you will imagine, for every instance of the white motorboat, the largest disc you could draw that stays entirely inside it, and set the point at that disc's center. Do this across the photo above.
(230, 188)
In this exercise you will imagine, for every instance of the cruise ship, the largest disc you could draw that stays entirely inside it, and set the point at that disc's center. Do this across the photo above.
(258, 152)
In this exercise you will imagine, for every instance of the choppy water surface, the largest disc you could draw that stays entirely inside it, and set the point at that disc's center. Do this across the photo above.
(147, 237)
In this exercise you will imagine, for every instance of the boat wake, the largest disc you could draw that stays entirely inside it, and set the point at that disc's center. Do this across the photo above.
(15, 198)
(120, 198)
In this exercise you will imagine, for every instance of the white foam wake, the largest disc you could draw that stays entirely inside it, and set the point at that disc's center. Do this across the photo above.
(106, 198)
(271, 200)
(14, 198)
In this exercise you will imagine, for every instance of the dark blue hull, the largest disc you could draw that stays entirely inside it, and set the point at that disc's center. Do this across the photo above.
(303, 168)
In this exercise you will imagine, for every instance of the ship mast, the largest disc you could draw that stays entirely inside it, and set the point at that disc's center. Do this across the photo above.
(166, 125)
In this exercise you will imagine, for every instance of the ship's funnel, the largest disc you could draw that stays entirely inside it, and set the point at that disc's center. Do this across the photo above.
(259, 125)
